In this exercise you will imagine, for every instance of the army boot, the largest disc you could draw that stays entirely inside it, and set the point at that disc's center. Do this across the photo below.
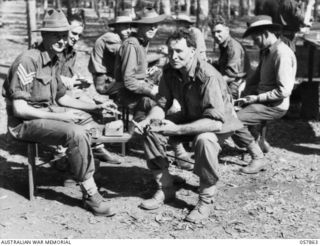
(164, 193)
(257, 163)
(93, 201)
(203, 208)
(183, 158)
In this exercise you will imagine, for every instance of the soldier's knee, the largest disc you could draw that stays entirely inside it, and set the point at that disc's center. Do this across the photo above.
(77, 132)
(205, 139)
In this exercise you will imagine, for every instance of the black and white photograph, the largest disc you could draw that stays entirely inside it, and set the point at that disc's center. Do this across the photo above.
(140, 119)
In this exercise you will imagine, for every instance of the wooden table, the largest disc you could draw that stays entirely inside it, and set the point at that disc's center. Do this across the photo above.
(313, 42)
(310, 108)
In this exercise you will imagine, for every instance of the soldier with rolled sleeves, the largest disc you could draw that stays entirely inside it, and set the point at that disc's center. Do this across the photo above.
(33, 91)
(103, 56)
(138, 91)
(207, 115)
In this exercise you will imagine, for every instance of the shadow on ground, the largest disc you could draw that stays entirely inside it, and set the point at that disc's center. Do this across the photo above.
(293, 135)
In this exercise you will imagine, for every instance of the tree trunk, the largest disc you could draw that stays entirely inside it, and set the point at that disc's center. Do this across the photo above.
(69, 8)
(308, 13)
(249, 6)
(228, 10)
(58, 4)
(241, 8)
(31, 21)
(198, 13)
(188, 5)
(45, 5)
(166, 7)
(115, 8)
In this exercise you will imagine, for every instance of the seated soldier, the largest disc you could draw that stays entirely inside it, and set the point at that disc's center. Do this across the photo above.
(70, 79)
(233, 62)
(267, 91)
(137, 91)
(40, 111)
(102, 58)
(207, 116)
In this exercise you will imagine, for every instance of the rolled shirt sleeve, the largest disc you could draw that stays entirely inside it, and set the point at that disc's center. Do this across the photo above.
(212, 102)
(21, 77)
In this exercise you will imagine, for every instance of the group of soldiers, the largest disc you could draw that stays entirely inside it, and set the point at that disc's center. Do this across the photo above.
(188, 99)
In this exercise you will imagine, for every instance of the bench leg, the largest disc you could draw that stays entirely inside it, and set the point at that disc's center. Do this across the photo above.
(264, 145)
(123, 149)
(32, 160)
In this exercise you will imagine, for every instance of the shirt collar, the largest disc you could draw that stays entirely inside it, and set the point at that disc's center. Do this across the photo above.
(271, 48)
(192, 70)
(226, 42)
(141, 40)
(44, 55)
(69, 52)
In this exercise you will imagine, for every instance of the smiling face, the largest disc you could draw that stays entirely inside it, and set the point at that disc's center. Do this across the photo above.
(147, 31)
(76, 30)
(220, 33)
(55, 42)
(180, 54)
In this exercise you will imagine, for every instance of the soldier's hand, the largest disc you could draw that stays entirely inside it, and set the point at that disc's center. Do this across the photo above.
(72, 116)
(155, 90)
(140, 126)
(251, 99)
(68, 82)
(163, 49)
(167, 128)
(247, 100)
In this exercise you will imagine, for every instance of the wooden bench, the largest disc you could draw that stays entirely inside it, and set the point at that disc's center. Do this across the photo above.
(33, 161)
(115, 139)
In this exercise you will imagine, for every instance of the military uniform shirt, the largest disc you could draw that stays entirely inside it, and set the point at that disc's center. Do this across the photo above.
(102, 58)
(33, 77)
(67, 61)
(202, 93)
(233, 60)
(131, 67)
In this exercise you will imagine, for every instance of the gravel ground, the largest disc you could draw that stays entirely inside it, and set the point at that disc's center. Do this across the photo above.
(282, 202)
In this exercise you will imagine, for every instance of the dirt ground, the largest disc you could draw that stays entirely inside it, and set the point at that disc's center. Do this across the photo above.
(282, 202)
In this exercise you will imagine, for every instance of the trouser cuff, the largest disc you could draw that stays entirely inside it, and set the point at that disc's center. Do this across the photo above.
(89, 186)
(179, 150)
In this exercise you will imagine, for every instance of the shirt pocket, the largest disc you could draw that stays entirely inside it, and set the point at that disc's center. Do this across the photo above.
(41, 89)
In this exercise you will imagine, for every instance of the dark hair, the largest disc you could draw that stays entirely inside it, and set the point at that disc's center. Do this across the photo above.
(216, 20)
(79, 16)
(180, 34)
